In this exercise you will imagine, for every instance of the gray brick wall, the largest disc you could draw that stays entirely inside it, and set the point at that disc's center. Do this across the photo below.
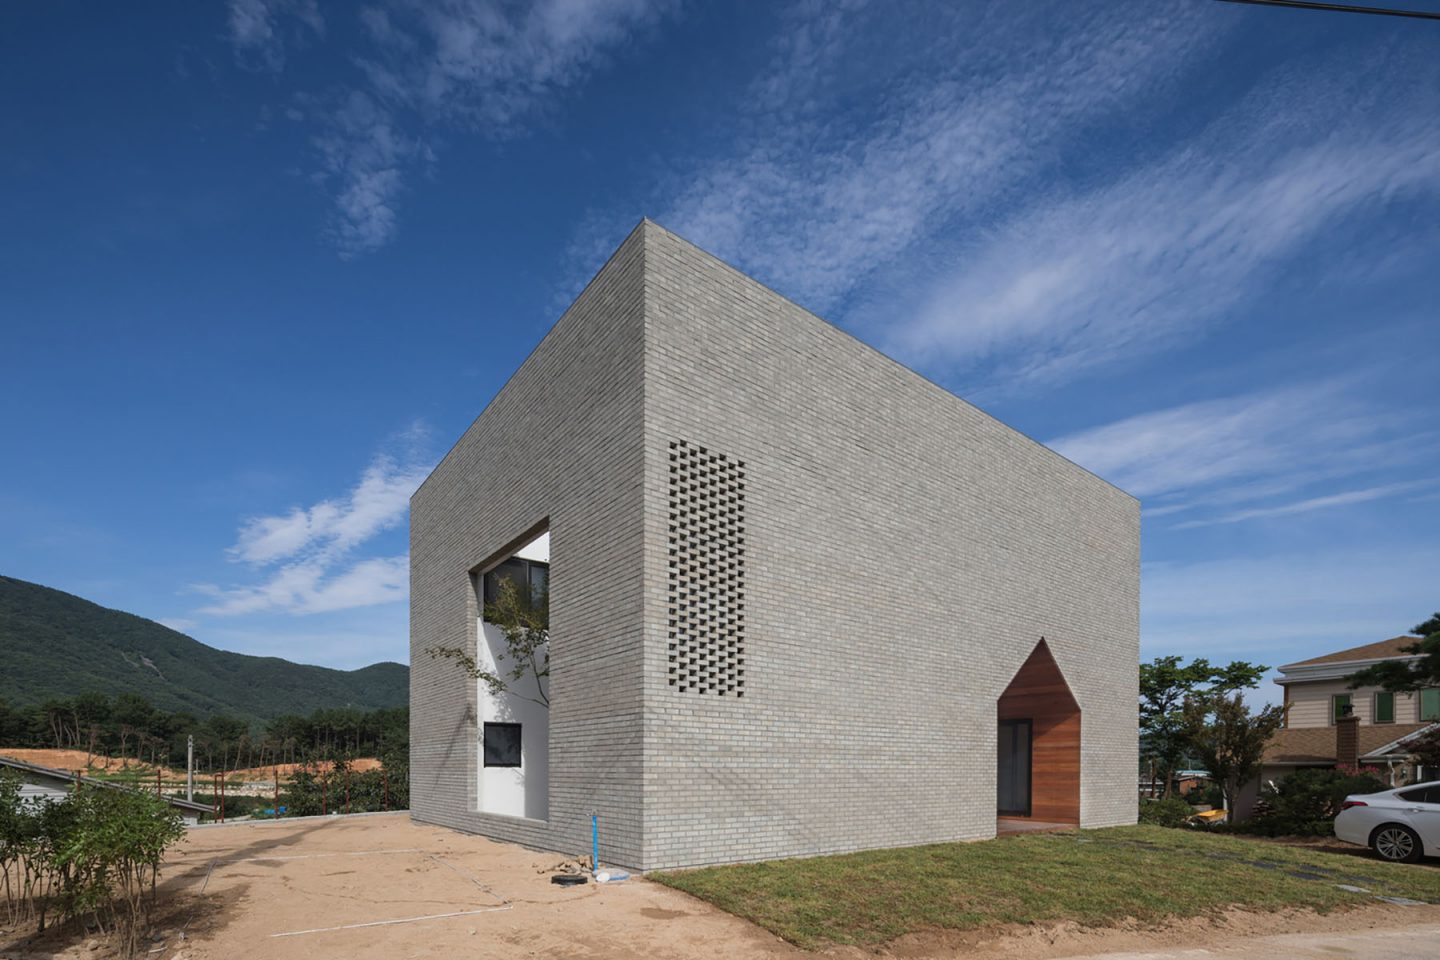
(559, 443)
(904, 553)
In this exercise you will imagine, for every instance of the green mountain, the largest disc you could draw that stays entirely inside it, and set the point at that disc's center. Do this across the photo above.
(53, 644)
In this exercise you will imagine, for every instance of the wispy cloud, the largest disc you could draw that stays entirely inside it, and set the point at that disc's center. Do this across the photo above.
(958, 112)
(261, 30)
(1079, 280)
(1253, 447)
(333, 527)
(307, 554)
(426, 69)
(1276, 608)
(1343, 499)
(311, 587)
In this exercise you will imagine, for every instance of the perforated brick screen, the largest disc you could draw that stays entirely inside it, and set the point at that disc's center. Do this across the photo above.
(707, 571)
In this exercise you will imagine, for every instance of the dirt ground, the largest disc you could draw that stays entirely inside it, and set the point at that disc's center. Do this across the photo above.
(72, 760)
(380, 887)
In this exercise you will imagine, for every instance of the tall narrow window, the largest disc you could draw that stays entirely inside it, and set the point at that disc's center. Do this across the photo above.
(1384, 707)
(1339, 706)
(1429, 705)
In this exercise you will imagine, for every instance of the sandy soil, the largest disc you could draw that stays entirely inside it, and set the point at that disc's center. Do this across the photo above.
(354, 888)
(72, 760)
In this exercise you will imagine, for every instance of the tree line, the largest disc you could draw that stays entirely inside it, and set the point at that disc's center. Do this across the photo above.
(129, 727)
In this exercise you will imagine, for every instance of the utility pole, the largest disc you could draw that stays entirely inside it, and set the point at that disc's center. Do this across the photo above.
(190, 769)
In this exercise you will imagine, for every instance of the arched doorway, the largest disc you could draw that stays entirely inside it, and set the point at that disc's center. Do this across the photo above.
(1038, 745)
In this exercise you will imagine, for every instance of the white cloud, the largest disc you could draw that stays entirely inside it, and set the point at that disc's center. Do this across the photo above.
(1078, 280)
(364, 155)
(1265, 437)
(309, 587)
(430, 68)
(962, 109)
(332, 527)
(1251, 448)
(260, 30)
(308, 553)
(1344, 498)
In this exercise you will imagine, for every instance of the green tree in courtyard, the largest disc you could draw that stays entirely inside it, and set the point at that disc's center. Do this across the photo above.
(1228, 738)
(524, 620)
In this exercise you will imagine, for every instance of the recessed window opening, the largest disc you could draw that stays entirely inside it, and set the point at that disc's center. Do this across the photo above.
(512, 685)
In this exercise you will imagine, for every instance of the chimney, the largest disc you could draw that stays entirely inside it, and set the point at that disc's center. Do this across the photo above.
(1347, 739)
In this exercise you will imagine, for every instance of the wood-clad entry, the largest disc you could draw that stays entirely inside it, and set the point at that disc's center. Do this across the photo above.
(1040, 695)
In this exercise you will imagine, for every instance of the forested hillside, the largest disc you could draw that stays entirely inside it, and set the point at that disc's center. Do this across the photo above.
(55, 646)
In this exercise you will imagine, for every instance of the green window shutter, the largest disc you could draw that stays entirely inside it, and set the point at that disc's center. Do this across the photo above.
(1384, 708)
(1430, 704)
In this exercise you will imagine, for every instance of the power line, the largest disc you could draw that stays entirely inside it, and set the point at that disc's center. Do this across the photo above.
(1341, 8)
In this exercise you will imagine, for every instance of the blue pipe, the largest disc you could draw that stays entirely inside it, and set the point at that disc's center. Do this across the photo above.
(594, 843)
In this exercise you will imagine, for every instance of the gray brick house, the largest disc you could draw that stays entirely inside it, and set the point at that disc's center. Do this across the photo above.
(802, 599)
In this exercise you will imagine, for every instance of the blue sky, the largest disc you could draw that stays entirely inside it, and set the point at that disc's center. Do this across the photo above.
(261, 262)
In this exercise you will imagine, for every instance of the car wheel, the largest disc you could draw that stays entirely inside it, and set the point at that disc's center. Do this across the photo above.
(1396, 843)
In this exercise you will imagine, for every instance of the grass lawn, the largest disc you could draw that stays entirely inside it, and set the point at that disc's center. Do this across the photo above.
(1094, 877)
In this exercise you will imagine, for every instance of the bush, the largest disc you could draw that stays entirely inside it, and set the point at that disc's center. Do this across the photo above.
(1165, 813)
(310, 794)
(1208, 794)
(1304, 803)
(89, 855)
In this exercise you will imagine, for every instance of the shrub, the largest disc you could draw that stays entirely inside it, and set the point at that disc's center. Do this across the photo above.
(89, 855)
(1304, 803)
(1208, 793)
(310, 794)
(1165, 813)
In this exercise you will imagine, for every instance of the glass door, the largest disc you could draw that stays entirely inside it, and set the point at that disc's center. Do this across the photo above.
(1013, 769)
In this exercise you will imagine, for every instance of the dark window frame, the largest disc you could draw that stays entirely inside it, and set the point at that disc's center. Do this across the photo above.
(525, 577)
(485, 745)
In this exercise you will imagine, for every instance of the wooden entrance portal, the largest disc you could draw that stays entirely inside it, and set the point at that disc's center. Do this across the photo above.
(1038, 744)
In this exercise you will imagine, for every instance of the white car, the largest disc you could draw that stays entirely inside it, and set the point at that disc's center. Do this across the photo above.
(1400, 825)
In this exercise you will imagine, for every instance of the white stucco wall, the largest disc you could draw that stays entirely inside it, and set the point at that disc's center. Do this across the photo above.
(521, 791)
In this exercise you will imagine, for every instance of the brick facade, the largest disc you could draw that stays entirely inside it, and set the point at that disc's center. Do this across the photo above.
(897, 556)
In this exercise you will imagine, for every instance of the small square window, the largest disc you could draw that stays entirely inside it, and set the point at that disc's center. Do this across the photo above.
(1430, 705)
(1384, 707)
(502, 745)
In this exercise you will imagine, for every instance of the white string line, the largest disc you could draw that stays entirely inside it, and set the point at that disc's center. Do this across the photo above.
(467, 875)
(382, 923)
(312, 856)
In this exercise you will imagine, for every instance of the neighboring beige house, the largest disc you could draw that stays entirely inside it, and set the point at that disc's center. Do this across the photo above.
(1318, 694)
(1329, 724)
